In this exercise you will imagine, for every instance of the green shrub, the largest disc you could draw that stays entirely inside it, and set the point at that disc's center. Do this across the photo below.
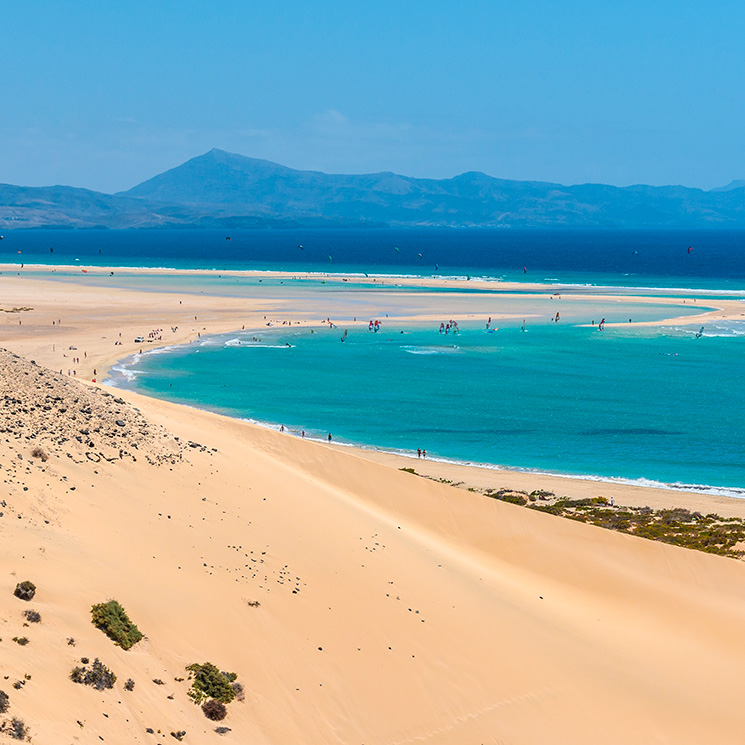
(210, 682)
(513, 499)
(32, 616)
(4, 702)
(113, 620)
(25, 590)
(22, 640)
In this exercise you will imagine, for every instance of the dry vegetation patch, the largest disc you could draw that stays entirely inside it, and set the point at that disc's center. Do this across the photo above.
(96, 675)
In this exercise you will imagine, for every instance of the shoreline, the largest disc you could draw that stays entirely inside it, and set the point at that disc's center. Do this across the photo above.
(444, 465)
(233, 309)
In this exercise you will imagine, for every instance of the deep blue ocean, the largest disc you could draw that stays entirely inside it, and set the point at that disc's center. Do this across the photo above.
(617, 257)
(646, 404)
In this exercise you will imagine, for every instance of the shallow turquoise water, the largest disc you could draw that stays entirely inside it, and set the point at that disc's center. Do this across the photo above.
(633, 403)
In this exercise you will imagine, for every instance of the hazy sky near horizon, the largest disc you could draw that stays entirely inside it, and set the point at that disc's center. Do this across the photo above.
(107, 94)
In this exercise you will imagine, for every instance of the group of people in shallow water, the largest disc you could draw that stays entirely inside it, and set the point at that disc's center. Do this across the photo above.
(421, 453)
(446, 328)
(374, 326)
(302, 432)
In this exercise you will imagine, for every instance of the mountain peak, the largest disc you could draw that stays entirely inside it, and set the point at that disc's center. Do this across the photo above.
(736, 184)
(228, 185)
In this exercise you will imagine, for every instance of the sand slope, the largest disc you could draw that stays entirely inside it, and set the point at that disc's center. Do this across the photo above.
(392, 609)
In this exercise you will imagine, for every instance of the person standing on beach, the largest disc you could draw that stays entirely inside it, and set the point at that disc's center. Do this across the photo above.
(418, 452)
(329, 436)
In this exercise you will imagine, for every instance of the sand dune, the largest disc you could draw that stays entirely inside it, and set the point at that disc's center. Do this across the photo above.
(391, 609)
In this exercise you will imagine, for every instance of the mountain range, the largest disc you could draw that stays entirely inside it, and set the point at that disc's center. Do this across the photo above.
(220, 189)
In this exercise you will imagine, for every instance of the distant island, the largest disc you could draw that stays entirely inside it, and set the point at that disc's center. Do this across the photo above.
(225, 190)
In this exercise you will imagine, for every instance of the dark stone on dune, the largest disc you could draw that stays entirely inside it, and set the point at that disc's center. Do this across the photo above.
(119, 423)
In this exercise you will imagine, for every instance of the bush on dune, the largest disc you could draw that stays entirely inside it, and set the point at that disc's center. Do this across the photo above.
(16, 728)
(113, 620)
(25, 590)
(214, 710)
(210, 682)
(97, 676)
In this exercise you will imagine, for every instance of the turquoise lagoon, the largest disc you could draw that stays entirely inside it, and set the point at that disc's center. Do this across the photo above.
(643, 404)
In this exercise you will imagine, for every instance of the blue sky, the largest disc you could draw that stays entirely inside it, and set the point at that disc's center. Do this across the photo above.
(106, 94)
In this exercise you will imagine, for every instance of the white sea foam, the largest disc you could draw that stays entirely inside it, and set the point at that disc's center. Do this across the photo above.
(255, 345)
(422, 350)
(431, 350)
(161, 350)
(725, 491)
(720, 329)
(128, 373)
(739, 294)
